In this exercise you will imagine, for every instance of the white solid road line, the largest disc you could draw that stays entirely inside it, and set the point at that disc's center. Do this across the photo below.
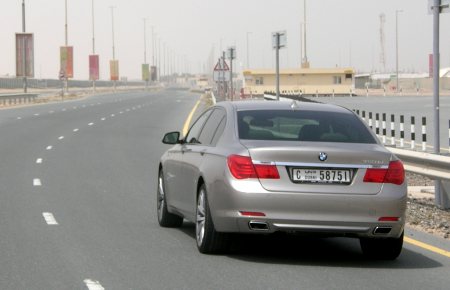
(39, 161)
(37, 182)
(90, 124)
(49, 218)
(76, 130)
(49, 147)
(93, 285)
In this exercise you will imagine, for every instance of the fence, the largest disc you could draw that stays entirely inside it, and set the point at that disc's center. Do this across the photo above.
(391, 135)
(17, 83)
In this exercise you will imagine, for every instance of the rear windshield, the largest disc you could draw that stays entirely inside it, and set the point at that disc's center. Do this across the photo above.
(314, 126)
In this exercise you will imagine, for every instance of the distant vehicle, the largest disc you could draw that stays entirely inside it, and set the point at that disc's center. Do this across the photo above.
(262, 167)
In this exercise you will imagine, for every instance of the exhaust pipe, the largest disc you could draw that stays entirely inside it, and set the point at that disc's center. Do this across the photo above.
(382, 230)
(258, 226)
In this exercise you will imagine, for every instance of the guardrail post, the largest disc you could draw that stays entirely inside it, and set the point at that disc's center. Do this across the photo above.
(357, 112)
(402, 131)
(424, 134)
(445, 194)
(413, 132)
(377, 124)
(370, 120)
(364, 118)
(383, 125)
(449, 136)
(392, 129)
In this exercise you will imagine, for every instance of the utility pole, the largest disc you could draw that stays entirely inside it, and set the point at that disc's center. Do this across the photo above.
(440, 199)
(113, 42)
(93, 41)
(305, 60)
(278, 41)
(231, 56)
(396, 47)
(145, 67)
(24, 51)
(66, 36)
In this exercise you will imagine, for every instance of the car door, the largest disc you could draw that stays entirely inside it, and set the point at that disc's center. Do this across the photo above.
(198, 154)
(182, 190)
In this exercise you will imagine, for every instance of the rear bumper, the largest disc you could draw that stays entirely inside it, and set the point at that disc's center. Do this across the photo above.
(329, 214)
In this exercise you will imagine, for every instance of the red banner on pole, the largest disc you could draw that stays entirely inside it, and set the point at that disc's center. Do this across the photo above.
(66, 54)
(25, 55)
(114, 69)
(94, 70)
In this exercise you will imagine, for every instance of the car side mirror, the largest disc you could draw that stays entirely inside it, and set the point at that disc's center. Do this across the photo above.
(172, 138)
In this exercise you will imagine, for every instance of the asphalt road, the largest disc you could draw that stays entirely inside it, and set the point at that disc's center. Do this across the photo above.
(78, 211)
(417, 106)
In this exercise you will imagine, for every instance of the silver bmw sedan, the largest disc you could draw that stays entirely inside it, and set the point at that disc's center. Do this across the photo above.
(262, 167)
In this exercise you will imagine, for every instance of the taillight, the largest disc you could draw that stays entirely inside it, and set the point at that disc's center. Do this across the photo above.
(395, 174)
(242, 167)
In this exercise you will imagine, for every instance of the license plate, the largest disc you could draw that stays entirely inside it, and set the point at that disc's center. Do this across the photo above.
(321, 175)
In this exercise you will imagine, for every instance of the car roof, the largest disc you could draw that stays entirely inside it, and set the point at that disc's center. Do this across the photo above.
(284, 105)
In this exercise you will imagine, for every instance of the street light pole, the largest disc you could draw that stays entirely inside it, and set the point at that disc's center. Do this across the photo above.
(145, 54)
(66, 36)
(113, 40)
(232, 55)
(24, 51)
(396, 46)
(93, 41)
(277, 65)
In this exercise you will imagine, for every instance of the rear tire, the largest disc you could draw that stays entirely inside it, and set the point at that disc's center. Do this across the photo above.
(165, 218)
(382, 249)
(209, 241)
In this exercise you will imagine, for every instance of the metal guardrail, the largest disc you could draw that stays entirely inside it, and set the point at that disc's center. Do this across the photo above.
(434, 166)
(14, 99)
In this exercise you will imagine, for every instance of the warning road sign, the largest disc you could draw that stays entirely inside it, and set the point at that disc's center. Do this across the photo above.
(221, 71)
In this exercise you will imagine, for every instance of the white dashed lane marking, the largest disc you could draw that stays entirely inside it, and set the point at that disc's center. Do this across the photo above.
(120, 112)
(103, 119)
(49, 218)
(36, 114)
(18, 118)
(90, 124)
(60, 137)
(76, 130)
(93, 285)
(51, 112)
(37, 182)
(112, 115)
(63, 110)
(49, 147)
(39, 161)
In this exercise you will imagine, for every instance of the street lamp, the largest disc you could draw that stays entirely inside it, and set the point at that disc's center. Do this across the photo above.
(278, 41)
(231, 55)
(24, 65)
(396, 45)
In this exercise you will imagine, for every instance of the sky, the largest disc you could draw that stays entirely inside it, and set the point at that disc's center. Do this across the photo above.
(339, 33)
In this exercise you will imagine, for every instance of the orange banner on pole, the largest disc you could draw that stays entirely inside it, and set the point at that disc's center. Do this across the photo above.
(114, 69)
(25, 55)
(66, 55)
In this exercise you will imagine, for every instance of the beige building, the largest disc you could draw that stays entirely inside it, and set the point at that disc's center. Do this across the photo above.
(306, 81)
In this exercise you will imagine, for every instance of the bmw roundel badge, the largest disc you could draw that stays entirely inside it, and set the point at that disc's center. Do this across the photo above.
(323, 156)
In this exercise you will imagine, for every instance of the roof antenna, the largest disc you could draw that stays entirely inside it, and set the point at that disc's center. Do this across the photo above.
(294, 105)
